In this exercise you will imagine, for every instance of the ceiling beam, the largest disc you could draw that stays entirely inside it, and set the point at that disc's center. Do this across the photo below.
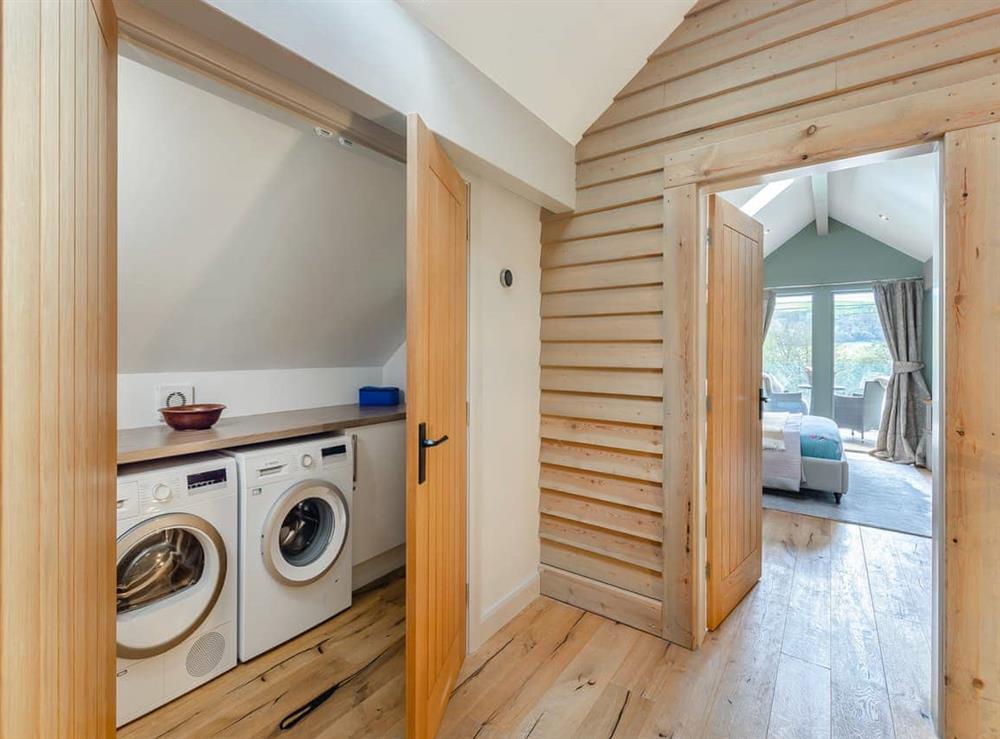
(821, 204)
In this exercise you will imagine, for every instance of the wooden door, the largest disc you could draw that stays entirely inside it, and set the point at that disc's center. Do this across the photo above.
(970, 431)
(735, 295)
(57, 385)
(436, 408)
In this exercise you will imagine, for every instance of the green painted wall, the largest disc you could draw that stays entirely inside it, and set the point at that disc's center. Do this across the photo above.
(843, 255)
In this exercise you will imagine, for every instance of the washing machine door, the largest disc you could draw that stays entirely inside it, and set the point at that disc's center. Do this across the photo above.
(170, 572)
(305, 532)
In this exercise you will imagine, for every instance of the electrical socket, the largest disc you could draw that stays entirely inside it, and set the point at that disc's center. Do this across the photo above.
(171, 395)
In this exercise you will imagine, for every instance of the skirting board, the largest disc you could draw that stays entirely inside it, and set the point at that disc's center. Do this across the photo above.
(497, 615)
(381, 564)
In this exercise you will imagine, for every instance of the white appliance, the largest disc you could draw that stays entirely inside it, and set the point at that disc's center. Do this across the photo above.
(295, 537)
(176, 578)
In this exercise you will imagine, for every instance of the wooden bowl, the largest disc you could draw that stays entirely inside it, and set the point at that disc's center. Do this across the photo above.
(196, 416)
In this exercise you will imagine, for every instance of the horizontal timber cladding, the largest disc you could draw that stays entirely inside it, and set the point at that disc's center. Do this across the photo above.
(601, 454)
(740, 87)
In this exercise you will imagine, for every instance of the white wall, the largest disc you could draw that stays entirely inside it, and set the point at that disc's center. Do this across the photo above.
(245, 392)
(257, 261)
(391, 59)
(504, 347)
(394, 370)
(246, 241)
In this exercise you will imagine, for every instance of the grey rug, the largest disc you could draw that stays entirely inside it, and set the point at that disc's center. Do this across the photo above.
(881, 494)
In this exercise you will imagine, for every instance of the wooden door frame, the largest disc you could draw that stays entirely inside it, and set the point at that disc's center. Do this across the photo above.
(689, 450)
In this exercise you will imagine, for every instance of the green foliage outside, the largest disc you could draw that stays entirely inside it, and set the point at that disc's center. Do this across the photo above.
(788, 346)
(860, 352)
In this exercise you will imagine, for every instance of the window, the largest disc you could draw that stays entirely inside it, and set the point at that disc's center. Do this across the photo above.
(859, 349)
(788, 346)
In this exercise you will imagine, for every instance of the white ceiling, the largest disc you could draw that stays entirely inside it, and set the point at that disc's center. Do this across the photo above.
(904, 190)
(564, 60)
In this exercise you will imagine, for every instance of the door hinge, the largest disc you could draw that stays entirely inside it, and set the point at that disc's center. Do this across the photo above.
(708, 403)
(466, 594)
(708, 236)
(708, 570)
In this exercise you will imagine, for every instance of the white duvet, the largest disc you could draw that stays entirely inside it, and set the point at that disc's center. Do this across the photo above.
(782, 468)
(773, 426)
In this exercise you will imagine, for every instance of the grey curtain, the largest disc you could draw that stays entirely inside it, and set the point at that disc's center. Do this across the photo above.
(769, 298)
(900, 309)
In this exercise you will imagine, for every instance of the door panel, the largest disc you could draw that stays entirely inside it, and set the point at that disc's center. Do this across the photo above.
(735, 290)
(436, 394)
(57, 387)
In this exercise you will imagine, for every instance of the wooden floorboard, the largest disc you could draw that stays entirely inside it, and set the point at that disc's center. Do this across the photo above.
(833, 642)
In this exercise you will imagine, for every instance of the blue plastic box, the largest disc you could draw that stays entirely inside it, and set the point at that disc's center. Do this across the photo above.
(371, 395)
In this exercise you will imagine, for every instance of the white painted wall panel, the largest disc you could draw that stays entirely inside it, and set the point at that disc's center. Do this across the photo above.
(249, 243)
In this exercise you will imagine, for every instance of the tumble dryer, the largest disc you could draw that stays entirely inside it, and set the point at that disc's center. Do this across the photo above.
(295, 537)
(176, 578)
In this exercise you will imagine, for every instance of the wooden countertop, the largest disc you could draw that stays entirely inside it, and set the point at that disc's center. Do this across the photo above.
(159, 442)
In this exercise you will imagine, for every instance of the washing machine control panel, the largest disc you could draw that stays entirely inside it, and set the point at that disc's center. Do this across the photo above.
(164, 487)
(279, 465)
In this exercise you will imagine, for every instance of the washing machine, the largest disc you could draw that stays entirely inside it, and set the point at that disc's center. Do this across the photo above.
(176, 578)
(295, 537)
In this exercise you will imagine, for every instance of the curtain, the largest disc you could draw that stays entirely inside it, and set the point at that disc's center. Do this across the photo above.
(769, 298)
(900, 310)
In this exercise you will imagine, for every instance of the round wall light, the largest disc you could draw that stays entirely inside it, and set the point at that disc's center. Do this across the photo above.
(506, 277)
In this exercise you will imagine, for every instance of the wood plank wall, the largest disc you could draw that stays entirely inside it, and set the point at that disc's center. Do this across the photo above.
(732, 69)
(57, 387)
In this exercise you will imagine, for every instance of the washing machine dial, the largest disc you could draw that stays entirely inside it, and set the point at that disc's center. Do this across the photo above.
(162, 492)
(307, 461)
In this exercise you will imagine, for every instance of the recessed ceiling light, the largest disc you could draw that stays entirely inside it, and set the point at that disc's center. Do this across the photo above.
(883, 216)
(323, 133)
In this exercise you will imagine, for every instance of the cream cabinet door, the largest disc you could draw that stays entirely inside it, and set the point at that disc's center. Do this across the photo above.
(379, 515)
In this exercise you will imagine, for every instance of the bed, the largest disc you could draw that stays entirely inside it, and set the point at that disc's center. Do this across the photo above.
(803, 452)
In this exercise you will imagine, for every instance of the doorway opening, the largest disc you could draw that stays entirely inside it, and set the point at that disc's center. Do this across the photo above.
(847, 343)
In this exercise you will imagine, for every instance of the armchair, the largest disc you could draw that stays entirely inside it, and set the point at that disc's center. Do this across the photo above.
(861, 411)
(777, 400)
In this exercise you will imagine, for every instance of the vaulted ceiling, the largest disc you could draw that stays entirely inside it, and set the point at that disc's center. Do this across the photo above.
(894, 201)
(564, 60)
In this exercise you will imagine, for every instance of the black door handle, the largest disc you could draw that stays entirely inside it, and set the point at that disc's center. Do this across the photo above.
(429, 443)
(760, 406)
(423, 444)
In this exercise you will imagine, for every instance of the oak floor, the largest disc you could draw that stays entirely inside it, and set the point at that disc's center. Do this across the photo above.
(833, 642)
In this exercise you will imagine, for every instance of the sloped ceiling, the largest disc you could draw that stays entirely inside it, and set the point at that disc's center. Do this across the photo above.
(248, 242)
(895, 202)
(564, 60)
